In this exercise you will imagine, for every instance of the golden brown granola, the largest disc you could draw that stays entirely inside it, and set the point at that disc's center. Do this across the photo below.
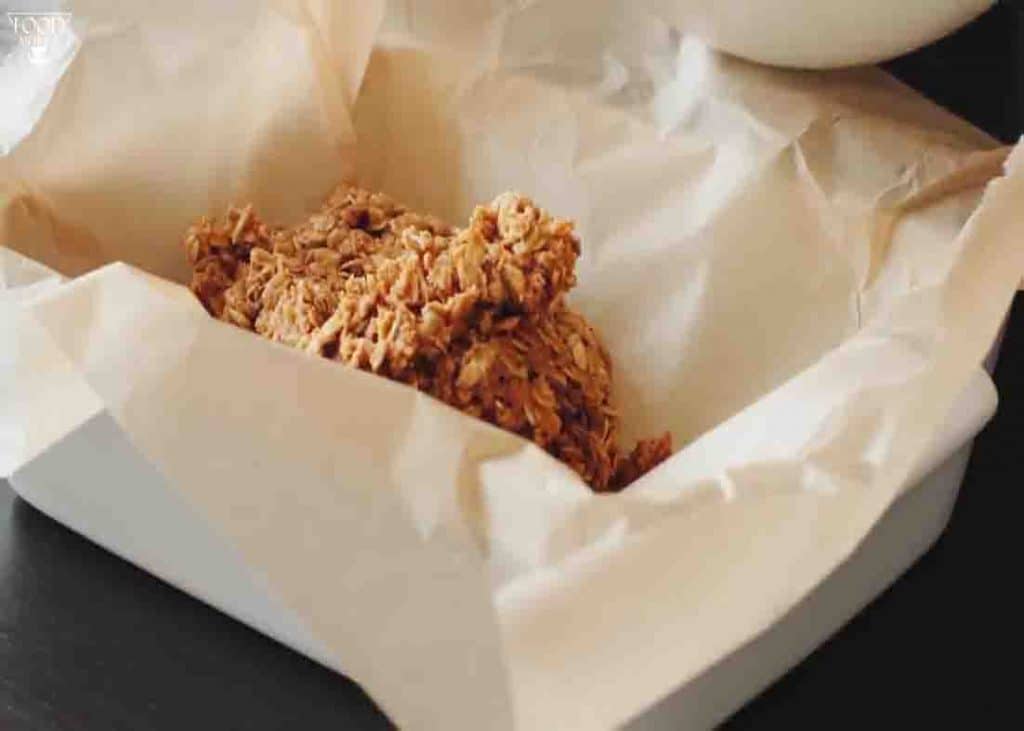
(475, 317)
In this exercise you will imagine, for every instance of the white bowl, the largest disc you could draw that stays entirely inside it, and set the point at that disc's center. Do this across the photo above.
(819, 33)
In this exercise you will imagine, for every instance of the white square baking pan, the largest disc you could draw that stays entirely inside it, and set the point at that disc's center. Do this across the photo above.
(795, 275)
(201, 566)
(146, 528)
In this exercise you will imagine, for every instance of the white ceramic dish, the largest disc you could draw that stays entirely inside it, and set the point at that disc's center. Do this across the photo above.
(147, 529)
(820, 33)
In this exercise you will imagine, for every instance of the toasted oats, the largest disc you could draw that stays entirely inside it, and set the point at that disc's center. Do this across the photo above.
(475, 317)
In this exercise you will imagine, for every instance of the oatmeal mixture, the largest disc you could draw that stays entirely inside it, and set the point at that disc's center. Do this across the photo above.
(474, 316)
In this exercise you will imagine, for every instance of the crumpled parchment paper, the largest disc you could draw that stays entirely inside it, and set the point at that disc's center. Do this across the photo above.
(794, 272)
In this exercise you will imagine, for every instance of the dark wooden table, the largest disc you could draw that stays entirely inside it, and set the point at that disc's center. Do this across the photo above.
(89, 642)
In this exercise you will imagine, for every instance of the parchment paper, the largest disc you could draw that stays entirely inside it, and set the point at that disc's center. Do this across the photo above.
(771, 283)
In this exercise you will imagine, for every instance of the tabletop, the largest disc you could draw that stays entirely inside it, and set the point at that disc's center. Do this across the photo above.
(88, 641)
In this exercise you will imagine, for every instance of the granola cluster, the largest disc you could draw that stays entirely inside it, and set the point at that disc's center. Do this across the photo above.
(475, 317)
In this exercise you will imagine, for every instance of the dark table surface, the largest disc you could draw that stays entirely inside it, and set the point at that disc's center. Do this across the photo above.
(87, 641)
